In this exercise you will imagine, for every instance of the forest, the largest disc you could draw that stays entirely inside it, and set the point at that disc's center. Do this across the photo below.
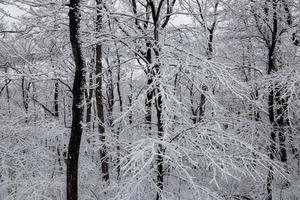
(149, 100)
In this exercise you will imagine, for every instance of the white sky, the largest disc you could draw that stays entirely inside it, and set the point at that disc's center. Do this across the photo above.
(15, 12)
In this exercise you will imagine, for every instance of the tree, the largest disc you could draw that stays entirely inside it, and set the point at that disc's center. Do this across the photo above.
(272, 28)
(174, 100)
(100, 111)
(159, 14)
(78, 96)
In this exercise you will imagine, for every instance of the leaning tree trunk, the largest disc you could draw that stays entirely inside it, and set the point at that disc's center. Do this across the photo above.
(77, 109)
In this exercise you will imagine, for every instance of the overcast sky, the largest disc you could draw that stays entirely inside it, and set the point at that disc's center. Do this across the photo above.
(16, 12)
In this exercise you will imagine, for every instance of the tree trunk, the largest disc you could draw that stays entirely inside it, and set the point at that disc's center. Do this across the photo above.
(160, 151)
(77, 109)
(149, 95)
(121, 111)
(130, 98)
(56, 111)
(89, 95)
(24, 94)
(7, 81)
(280, 124)
(272, 147)
(272, 68)
(110, 96)
(99, 102)
(155, 72)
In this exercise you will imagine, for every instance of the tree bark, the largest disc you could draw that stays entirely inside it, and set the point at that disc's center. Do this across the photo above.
(56, 111)
(130, 98)
(77, 109)
(149, 95)
(121, 111)
(271, 68)
(24, 94)
(153, 93)
(99, 102)
(110, 95)
(161, 148)
(89, 95)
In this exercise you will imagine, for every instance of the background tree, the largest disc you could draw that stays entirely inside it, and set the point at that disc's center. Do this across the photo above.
(183, 90)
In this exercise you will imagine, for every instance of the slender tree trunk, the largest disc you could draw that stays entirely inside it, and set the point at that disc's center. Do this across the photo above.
(89, 95)
(199, 111)
(272, 147)
(56, 90)
(210, 43)
(7, 81)
(280, 124)
(64, 110)
(160, 151)
(155, 72)
(121, 111)
(78, 97)
(149, 95)
(24, 94)
(110, 96)
(153, 93)
(130, 98)
(99, 102)
(271, 96)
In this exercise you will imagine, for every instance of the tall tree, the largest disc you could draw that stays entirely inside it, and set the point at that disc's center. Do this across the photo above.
(99, 102)
(78, 96)
(159, 14)
(272, 22)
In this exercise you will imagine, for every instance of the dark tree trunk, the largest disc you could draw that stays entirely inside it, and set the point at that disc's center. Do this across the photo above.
(7, 81)
(272, 147)
(24, 94)
(280, 124)
(89, 95)
(110, 96)
(99, 102)
(271, 101)
(210, 43)
(130, 98)
(121, 111)
(155, 73)
(153, 93)
(56, 111)
(160, 151)
(153, 89)
(77, 109)
(149, 95)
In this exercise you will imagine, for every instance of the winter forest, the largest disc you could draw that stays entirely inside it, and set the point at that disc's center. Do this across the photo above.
(149, 100)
